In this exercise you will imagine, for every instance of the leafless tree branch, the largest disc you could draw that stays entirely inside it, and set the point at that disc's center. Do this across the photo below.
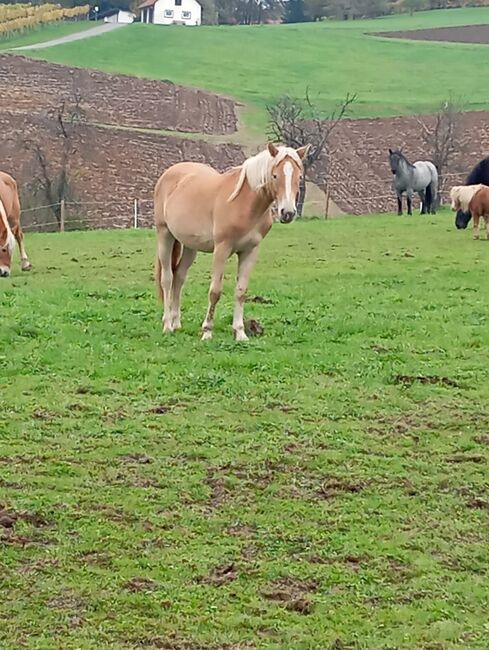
(297, 122)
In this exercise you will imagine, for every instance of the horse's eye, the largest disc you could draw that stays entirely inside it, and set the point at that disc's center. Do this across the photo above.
(274, 176)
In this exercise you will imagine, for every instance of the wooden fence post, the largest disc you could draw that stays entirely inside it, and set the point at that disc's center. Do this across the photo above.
(326, 212)
(135, 213)
(62, 216)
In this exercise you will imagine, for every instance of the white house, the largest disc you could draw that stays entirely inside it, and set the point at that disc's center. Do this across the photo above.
(118, 16)
(171, 12)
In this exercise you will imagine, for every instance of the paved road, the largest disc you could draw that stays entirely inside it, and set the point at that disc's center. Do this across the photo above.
(88, 33)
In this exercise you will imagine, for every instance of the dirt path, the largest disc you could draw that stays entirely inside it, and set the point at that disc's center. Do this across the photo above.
(89, 33)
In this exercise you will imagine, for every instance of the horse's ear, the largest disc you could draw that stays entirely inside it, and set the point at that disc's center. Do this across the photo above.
(272, 149)
(390, 151)
(303, 151)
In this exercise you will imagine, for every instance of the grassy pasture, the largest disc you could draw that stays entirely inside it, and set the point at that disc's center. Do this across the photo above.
(256, 64)
(324, 486)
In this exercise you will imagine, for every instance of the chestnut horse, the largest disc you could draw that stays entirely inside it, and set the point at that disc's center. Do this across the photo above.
(199, 209)
(10, 229)
(473, 199)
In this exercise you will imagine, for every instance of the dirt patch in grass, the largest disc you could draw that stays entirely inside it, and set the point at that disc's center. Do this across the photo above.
(169, 643)
(139, 584)
(141, 459)
(292, 593)
(260, 300)
(9, 518)
(482, 440)
(95, 558)
(466, 458)
(335, 486)
(410, 380)
(220, 575)
(478, 504)
(353, 562)
(253, 327)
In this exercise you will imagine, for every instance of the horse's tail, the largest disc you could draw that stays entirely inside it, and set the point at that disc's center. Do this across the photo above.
(428, 197)
(433, 187)
(175, 261)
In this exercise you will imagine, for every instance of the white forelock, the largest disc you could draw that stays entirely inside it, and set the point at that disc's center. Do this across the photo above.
(464, 194)
(257, 170)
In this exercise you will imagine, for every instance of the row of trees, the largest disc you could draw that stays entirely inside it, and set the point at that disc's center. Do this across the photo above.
(251, 12)
(296, 11)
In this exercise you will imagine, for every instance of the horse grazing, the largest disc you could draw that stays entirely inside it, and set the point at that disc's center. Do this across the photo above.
(475, 200)
(420, 177)
(480, 174)
(10, 229)
(199, 209)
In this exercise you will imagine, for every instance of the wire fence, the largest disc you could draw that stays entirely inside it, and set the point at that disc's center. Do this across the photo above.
(350, 196)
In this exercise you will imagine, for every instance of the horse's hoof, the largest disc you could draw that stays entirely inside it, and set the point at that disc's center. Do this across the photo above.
(240, 335)
(206, 335)
(27, 267)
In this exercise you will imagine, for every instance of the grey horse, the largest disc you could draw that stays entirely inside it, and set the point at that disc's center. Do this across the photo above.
(422, 177)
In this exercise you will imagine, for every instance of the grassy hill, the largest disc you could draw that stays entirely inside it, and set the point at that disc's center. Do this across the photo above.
(256, 64)
(324, 486)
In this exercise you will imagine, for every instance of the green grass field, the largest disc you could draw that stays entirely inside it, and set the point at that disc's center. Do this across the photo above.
(257, 64)
(45, 33)
(321, 487)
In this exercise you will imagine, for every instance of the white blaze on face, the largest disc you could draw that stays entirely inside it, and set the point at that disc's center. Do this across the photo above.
(287, 204)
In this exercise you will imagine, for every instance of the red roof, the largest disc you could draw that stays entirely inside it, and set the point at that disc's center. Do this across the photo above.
(147, 3)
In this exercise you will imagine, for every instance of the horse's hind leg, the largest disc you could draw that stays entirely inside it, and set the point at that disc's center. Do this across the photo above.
(179, 275)
(25, 265)
(221, 255)
(166, 241)
(424, 202)
(476, 217)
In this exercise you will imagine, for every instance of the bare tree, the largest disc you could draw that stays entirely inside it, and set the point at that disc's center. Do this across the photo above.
(53, 150)
(441, 134)
(297, 122)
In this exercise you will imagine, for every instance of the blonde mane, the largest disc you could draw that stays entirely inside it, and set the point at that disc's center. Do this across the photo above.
(463, 194)
(257, 170)
(10, 240)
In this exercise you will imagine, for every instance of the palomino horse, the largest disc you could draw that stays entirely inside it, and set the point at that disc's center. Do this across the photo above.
(10, 229)
(421, 177)
(473, 199)
(480, 174)
(200, 209)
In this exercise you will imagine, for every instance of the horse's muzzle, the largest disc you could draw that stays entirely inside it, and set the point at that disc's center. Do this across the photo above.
(4, 272)
(286, 217)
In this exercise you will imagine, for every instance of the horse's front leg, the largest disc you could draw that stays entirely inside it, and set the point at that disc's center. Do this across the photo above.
(246, 262)
(221, 255)
(409, 201)
(399, 204)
